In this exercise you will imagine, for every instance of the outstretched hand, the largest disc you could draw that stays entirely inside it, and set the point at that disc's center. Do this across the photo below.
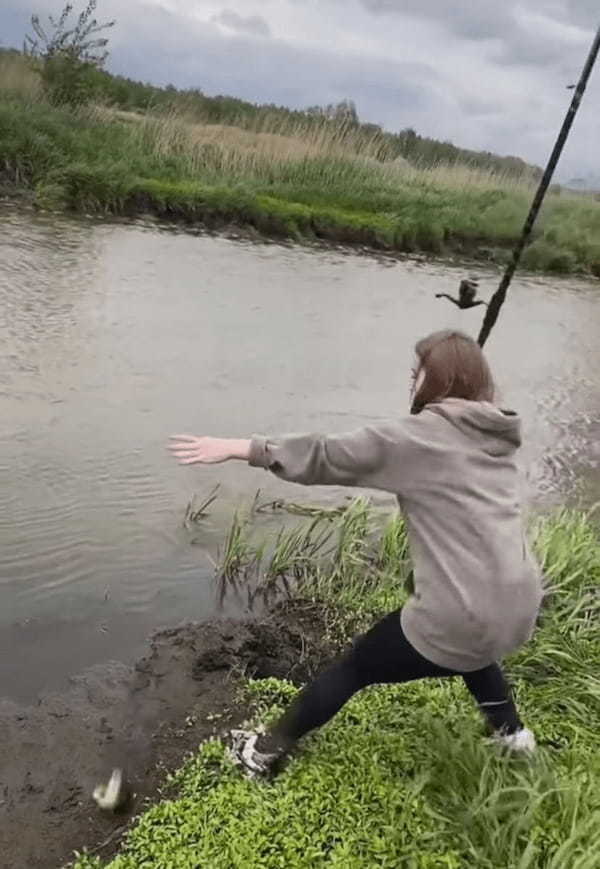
(191, 450)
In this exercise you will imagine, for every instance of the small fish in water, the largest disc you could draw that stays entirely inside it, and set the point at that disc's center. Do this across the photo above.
(115, 795)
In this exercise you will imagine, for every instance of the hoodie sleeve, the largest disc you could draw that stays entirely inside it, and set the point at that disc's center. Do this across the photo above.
(358, 458)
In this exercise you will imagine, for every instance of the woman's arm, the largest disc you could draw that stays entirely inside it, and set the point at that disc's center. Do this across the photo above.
(320, 460)
(352, 459)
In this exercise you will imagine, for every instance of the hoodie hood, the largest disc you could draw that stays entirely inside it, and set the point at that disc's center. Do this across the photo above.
(497, 431)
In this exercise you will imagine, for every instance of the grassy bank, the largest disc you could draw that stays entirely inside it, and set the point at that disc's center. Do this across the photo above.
(301, 182)
(402, 777)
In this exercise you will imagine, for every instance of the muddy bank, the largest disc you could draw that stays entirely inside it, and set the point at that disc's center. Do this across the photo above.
(145, 718)
(319, 234)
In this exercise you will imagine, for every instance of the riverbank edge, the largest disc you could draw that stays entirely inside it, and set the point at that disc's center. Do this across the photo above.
(148, 719)
(152, 718)
(217, 209)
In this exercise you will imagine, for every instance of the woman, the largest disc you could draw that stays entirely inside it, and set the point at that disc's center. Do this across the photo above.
(477, 590)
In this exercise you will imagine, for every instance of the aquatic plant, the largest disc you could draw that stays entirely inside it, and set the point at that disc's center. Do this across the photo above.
(195, 512)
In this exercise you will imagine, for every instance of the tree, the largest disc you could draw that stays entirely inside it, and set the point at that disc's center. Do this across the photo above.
(345, 112)
(69, 57)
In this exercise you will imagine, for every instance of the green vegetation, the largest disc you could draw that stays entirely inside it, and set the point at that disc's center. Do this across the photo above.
(123, 93)
(68, 56)
(76, 138)
(402, 777)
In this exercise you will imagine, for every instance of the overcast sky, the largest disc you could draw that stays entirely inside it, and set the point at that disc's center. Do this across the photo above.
(488, 74)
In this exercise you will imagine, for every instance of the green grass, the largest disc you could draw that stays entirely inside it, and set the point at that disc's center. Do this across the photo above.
(402, 777)
(320, 187)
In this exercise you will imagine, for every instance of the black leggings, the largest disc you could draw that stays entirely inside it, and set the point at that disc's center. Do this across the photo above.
(384, 655)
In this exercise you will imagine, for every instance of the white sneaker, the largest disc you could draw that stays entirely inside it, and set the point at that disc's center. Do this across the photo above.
(256, 763)
(521, 741)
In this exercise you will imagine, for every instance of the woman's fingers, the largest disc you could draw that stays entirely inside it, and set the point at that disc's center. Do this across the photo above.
(184, 446)
(189, 458)
(186, 451)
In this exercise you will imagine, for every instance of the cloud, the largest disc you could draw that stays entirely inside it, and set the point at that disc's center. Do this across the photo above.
(478, 19)
(252, 24)
(543, 41)
(530, 34)
(586, 13)
(479, 107)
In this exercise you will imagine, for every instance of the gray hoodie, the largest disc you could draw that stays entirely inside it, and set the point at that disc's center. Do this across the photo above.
(452, 468)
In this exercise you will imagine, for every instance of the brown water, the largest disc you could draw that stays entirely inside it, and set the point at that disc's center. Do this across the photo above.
(113, 337)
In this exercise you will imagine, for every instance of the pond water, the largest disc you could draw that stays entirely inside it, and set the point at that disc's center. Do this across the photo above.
(114, 336)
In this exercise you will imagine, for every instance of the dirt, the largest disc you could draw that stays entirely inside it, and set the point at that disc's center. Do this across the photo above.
(145, 719)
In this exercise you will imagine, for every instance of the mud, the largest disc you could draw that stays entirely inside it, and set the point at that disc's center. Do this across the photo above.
(146, 719)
